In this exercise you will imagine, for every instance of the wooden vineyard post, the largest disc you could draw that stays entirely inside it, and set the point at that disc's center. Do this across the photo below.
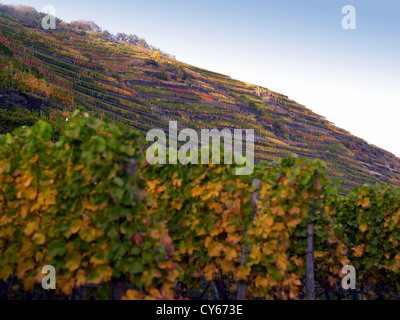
(118, 289)
(310, 262)
(242, 284)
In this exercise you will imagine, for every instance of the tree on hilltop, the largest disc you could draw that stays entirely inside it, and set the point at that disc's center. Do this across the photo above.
(85, 25)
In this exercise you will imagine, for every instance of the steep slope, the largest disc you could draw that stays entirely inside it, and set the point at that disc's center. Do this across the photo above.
(72, 69)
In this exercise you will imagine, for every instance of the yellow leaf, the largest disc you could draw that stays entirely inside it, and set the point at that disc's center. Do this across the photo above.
(152, 184)
(73, 262)
(234, 238)
(366, 202)
(5, 272)
(39, 238)
(177, 205)
(230, 254)
(215, 231)
(215, 249)
(34, 159)
(70, 247)
(295, 210)
(30, 193)
(216, 206)
(22, 268)
(102, 273)
(39, 256)
(363, 227)
(78, 167)
(51, 200)
(279, 226)
(209, 272)
(278, 211)
(281, 261)
(80, 278)
(172, 276)
(155, 294)
(149, 275)
(268, 220)
(242, 273)
(358, 250)
(66, 284)
(226, 266)
(177, 182)
(255, 253)
(261, 282)
(106, 272)
(27, 182)
(196, 191)
(75, 226)
(41, 198)
(24, 211)
(134, 295)
(297, 261)
(293, 222)
(30, 228)
(89, 234)
(97, 260)
(35, 207)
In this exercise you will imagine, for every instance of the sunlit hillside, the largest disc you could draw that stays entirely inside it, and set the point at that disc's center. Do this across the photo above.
(124, 79)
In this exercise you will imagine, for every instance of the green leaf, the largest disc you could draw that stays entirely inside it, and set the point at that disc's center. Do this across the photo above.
(135, 267)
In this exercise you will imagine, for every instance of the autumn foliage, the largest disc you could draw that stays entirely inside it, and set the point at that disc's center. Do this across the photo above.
(91, 207)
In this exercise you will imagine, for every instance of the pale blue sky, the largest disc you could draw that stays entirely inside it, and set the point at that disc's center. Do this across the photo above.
(298, 48)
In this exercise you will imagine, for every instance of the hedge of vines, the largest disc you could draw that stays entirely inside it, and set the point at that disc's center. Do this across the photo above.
(115, 227)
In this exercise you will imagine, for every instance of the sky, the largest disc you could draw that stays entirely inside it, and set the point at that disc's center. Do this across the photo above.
(297, 48)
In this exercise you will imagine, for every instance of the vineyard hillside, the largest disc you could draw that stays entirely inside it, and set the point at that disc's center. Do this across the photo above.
(122, 78)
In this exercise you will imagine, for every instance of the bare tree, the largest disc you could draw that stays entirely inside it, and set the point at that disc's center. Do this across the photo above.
(121, 37)
(134, 39)
(143, 43)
